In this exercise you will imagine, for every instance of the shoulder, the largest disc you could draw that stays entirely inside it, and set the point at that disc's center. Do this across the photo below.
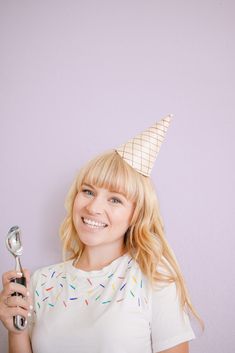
(50, 271)
(165, 296)
(165, 291)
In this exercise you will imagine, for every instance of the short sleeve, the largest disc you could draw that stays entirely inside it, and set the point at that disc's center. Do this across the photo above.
(170, 325)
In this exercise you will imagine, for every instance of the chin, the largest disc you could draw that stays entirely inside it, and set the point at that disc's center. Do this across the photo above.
(90, 242)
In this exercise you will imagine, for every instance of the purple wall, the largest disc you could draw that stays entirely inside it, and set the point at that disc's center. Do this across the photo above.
(80, 77)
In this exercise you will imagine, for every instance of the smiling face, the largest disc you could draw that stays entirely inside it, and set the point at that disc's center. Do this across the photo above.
(101, 216)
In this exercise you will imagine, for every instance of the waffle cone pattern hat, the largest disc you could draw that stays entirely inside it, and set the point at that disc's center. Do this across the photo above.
(141, 151)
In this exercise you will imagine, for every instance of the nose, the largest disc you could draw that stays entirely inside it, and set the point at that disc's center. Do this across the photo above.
(95, 206)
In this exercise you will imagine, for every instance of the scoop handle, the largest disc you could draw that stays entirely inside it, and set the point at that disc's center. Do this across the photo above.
(19, 322)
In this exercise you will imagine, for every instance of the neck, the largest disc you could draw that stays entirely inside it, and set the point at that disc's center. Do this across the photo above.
(95, 259)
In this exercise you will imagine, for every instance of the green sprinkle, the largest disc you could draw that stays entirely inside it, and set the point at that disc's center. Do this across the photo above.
(108, 301)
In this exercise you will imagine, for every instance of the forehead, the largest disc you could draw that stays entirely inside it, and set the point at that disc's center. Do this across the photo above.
(112, 173)
(115, 184)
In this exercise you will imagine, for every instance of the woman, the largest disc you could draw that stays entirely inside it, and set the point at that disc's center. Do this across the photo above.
(121, 289)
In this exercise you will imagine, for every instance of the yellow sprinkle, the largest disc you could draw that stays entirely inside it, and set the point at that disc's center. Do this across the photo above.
(73, 278)
(134, 279)
(58, 295)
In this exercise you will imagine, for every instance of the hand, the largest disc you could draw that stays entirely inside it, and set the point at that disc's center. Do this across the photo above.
(14, 305)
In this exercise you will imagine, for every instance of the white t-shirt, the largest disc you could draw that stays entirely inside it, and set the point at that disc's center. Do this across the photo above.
(109, 310)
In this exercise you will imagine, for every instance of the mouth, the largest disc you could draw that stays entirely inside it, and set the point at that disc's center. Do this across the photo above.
(94, 224)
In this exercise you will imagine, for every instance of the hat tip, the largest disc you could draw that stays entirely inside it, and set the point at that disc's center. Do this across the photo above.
(167, 118)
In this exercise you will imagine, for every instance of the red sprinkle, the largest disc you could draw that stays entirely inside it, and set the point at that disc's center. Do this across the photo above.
(49, 288)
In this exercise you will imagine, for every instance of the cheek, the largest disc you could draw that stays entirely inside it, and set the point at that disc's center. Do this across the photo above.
(78, 203)
(129, 214)
(123, 219)
(76, 207)
(74, 215)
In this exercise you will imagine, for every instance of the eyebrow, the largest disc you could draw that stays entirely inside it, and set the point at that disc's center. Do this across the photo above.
(88, 185)
(111, 191)
(118, 192)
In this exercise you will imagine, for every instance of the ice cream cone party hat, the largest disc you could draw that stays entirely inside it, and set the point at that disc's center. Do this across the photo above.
(141, 151)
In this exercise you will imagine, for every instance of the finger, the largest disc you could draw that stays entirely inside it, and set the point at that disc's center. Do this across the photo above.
(7, 276)
(17, 301)
(12, 287)
(18, 311)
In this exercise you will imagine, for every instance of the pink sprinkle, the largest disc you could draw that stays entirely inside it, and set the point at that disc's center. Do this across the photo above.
(120, 300)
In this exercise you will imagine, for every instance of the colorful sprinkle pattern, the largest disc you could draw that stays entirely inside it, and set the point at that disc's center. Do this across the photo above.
(57, 285)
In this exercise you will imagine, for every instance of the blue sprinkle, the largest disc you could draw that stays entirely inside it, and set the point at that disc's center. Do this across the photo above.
(123, 286)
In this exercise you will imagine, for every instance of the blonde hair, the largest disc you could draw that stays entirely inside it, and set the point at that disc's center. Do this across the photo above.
(145, 239)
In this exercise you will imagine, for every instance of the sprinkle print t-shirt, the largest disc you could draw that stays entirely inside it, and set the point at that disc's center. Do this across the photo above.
(109, 310)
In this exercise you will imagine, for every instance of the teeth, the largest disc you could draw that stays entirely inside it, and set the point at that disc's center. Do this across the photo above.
(93, 223)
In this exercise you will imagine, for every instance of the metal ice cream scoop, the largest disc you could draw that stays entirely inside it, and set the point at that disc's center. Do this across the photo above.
(14, 245)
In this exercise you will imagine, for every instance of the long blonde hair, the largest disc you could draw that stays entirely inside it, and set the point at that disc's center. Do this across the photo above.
(145, 239)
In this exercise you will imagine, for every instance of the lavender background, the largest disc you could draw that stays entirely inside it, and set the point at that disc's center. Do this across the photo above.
(80, 77)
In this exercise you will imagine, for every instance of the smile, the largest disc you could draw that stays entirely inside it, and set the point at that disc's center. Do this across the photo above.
(93, 224)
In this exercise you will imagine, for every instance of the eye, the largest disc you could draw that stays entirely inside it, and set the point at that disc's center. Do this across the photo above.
(116, 200)
(87, 192)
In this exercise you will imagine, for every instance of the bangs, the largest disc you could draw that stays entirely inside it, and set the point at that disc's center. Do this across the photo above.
(109, 171)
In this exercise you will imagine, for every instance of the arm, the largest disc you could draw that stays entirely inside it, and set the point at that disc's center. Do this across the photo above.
(19, 343)
(180, 348)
